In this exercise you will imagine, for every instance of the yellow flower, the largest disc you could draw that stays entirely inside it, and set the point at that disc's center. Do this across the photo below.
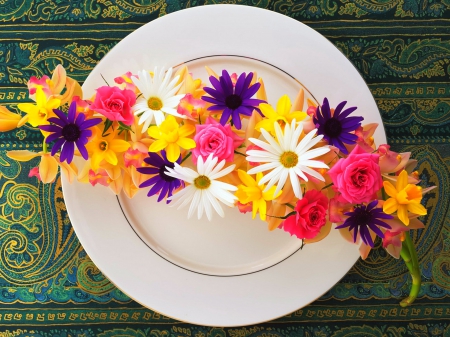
(170, 136)
(404, 197)
(43, 109)
(252, 192)
(105, 148)
(283, 115)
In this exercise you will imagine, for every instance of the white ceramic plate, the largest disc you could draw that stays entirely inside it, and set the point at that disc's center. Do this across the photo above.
(232, 271)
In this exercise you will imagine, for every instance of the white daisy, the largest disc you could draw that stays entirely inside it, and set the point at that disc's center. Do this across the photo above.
(285, 156)
(204, 191)
(158, 96)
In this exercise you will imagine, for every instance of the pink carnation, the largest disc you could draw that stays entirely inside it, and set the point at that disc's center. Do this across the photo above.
(310, 218)
(115, 104)
(216, 139)
(357, 177)
(34, 172)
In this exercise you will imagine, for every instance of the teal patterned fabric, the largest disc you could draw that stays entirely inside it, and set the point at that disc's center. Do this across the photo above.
(49, 286)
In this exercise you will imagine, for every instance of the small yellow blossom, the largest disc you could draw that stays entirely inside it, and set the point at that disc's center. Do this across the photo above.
(283, 115)
(105, 148)
(39, 113)
(170, 136)
(252, 192)
(404, 197)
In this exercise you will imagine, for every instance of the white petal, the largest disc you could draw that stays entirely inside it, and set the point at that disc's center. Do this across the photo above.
(222, 173)
(269, 148)
(166, 79)
(147, 115)
(210, 165)
(303, 145)
(265, 154)
(295, 136)
(295, 183)
(313, 163)
(206, 204)
(194, 203)
(272, 141)
(282, 181)
(314, 153)
(201, 206)
(223, 186)
(279, 134)
(217, 168)
(300, 173)
(200, 166)
(159, 117)
(214, 203)
(262, 159)
(263, 167)
(275, 173)
(183, 199)
(172, 112)
(311, 172)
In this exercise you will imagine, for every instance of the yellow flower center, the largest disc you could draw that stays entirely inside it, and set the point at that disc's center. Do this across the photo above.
(103, 146)
(155, 103)
(202, 182)
(289, 159)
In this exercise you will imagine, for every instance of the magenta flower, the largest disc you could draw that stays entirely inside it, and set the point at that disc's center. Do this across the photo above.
(216, 139)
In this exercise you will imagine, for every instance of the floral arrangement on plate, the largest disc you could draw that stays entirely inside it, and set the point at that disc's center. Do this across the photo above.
(205, 146)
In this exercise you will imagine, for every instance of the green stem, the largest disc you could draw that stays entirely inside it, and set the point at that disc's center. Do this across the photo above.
(44, 145)
(239, 153)
(188, 155)
(409, 255)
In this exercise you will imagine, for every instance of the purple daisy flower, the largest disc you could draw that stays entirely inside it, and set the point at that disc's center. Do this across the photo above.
(68, 131)
(365, 218)
(233, 100)
(162, 183)
(336, 128)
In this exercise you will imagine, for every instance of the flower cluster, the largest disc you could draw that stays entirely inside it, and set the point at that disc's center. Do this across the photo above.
(219, 144)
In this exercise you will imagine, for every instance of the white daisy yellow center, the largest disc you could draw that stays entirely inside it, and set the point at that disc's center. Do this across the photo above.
(289, 159)
(155, 103)
(202, 182)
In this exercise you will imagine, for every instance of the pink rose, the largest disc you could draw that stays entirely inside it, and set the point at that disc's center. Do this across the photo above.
(115, 104)
(216, 139)
(310, 218)
(357, 177)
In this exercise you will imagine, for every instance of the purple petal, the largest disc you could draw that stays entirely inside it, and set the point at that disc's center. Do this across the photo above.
(217, 108)
(237, 120)
(214, 93)
(57, 146)
(216, 84)
(381, 223)
(50, 128)
(53, 137)
(150, 182)
(326, 113)
(57, 121)
(226, 84)
(163, 192)
(225, 116)
(371, 205)
(349, 137)
(251, 91)
(156, 188)
(148, 170)
(252, 102)
(72, 112)
(347, 112)
(80, 118)
(62, 116)
(244, 110)
(90, 123)
(212, 100)
(67, 152)
(339, 108)
(82, 149)
(239, 84)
